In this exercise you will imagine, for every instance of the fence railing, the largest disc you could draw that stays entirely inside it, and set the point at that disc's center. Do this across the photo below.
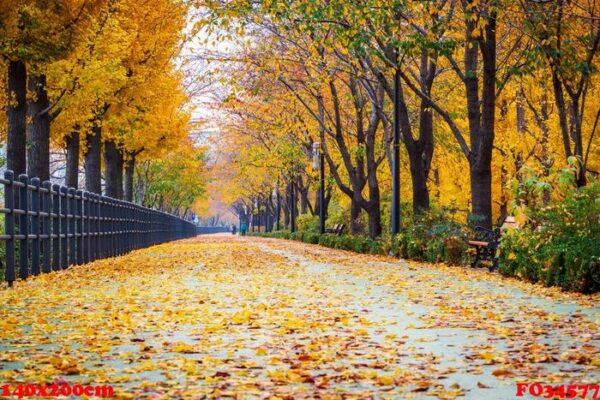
(207, 230)
(49, 227)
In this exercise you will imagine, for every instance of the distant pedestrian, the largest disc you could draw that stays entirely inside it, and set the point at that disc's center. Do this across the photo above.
(243, 228)
(233, 229)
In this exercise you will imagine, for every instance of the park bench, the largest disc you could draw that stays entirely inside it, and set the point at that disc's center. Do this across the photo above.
(338, 229)
(486, 242)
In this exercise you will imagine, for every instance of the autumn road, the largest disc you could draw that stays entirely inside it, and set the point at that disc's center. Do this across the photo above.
(228, 317)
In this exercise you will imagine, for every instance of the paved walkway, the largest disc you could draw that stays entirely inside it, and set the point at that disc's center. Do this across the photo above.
(228, 317)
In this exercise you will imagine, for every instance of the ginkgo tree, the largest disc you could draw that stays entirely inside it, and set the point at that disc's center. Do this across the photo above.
(455, 74)
(101, 79)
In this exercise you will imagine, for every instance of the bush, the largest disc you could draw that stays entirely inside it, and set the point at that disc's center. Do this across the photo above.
(561, 247)
(434, 250)
(308, 223)
(433, 237)
(310, 237)
(455, 250)
(517, 254)
(557, 245)
(298, 235)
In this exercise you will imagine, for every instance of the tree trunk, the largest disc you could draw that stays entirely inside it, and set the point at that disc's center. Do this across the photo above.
(481, 113)
(374, 221)
(481, 191)
(92, 161)
(286, 217)
(420, 151)
(120, 165)
(303, 200)
(112, 170)
(38, 129)
(129, 170)
(355, 208)
(481, 196)
(17, 117)
(374, 207)
(418, 175)
(72, 172)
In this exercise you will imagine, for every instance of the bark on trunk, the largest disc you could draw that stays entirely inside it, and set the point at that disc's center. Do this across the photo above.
(38, 129)
(92, 159)
(286, 217)
(129, 170)
(481, 191)
(17, 117)
(374, 221)
(418, 176)
(355, 208)
(120, 165)
(112, 170)
(481, 196)
(481, 113)
(420, 151)
(72, 172)
(303, 201)
(374, 210)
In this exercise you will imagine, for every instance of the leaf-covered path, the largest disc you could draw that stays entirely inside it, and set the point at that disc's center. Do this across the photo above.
(223, 316)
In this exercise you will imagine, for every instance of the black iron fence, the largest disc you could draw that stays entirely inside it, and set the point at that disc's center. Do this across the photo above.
(49, 227)
(207, 230)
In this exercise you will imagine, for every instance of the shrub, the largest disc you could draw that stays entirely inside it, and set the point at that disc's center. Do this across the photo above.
(344, 242)
(310, 237)
(433, 237)
(434, 250)
(376, 246)
(558, 245)
(285, 234)
(298, 235)
(337, 215)
(308, 223)
(455, 250)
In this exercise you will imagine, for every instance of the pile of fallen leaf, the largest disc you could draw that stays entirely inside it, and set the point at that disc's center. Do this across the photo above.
(244, 318)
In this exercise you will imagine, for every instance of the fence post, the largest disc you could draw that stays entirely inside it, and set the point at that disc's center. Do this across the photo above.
(35, 226)
(46, 199)
(114, 238)
(9, 226)
(102, 219)
(121, 212)
(112, 251)
(79, 209)
(55, 227)
(72, 231)
(131, 216)
(86, 226)
(64, 230)
(24, 226)
(100, 227)
(94, 226)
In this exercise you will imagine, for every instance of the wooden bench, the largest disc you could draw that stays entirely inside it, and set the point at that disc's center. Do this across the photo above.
(338, 229)
(486, 242)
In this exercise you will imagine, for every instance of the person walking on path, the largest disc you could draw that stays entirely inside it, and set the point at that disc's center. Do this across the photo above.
(243, 228)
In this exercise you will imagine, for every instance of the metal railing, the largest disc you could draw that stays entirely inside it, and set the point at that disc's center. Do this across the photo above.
(207, 230)
(52, 227)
